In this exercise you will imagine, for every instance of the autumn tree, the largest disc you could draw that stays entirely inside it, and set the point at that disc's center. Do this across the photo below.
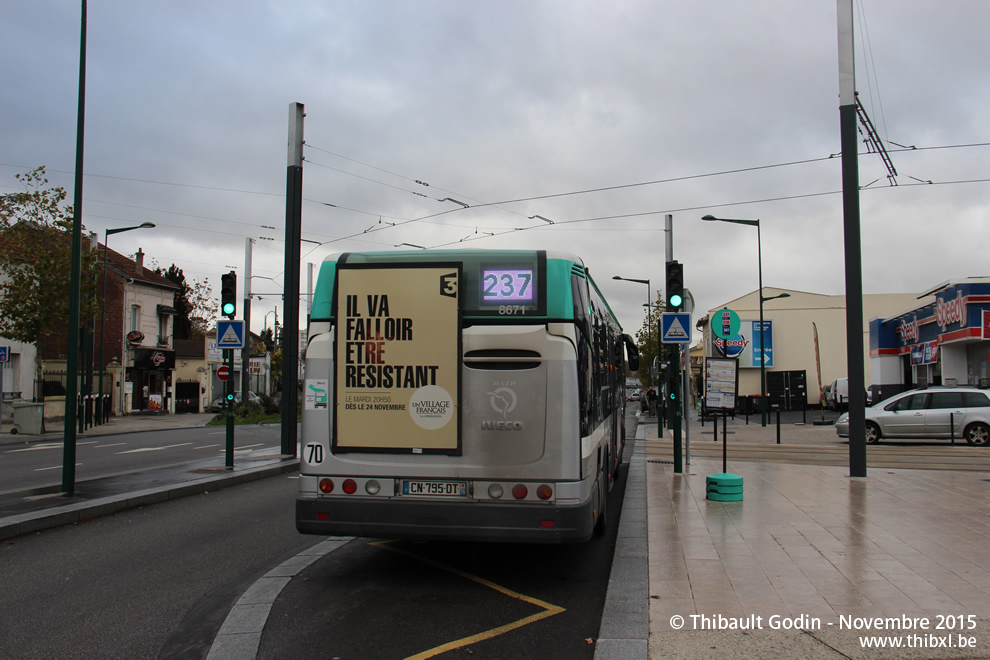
(35, 267)
(195, 307)
(647, 338)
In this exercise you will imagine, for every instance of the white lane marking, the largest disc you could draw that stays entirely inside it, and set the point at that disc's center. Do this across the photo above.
(116, 444)
(56, 467)
(134, 451)
(206, 446)
(39, 447)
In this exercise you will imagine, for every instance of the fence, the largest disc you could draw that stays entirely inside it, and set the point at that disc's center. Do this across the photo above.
(90, 409)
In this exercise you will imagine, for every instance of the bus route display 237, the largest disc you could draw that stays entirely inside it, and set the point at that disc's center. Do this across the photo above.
(397, 358)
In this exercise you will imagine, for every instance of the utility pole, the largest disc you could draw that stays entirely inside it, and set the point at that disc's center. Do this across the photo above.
(855, 368)
(75, 278)
(293, 234)
(246, 351)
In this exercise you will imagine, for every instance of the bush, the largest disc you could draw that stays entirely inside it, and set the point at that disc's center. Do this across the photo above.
(271, 404)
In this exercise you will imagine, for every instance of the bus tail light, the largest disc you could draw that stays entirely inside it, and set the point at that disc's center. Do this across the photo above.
(519, 491)
(544, 492)
(372, 487)
(326, 485)
(349, 486)
(495, 491)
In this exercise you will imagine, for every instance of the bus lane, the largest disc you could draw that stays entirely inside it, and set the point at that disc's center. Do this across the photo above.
(400, 599)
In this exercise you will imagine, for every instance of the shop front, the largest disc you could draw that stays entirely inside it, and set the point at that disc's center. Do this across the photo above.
(945, 341)
(148, 384)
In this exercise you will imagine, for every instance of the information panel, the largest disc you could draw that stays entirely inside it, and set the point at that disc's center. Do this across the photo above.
(397, 358)
(721, 383)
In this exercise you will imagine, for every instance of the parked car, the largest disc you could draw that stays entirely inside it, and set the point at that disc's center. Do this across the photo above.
(217, 404)
(934, 412)
(838, 394)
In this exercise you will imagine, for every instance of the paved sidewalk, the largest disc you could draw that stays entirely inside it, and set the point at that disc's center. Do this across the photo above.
(123, 424)
(824, 553)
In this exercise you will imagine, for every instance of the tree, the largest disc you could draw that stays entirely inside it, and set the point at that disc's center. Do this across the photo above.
(35, 265)
(647, 338)
(195, 307)
(268, 339)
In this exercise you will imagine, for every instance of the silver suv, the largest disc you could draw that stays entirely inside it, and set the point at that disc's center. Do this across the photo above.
(935, 412)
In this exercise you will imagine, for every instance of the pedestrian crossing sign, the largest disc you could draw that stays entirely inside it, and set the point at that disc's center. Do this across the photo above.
(675, 328)
(230, 334)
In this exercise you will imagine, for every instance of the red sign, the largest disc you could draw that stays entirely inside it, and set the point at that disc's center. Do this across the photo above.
(223, 373)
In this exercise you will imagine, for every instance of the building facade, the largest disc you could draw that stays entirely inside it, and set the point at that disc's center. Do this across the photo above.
(944, 340)
(805, 337)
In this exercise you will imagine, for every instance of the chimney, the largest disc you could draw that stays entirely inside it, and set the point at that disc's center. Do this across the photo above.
(139, 262)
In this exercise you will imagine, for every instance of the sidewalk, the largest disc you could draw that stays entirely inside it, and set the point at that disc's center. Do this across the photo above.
(823, 553)
(124, 424)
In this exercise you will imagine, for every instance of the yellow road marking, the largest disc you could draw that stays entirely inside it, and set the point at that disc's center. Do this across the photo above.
(549, 610)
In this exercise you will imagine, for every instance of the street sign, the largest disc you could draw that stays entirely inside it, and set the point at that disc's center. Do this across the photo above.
(675, 328)
(763, 352)
(725, 323)
(230, 334)
(4, 353)
(223, 373)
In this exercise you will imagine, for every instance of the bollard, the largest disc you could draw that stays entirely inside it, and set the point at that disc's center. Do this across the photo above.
(952, 427)
(778, 426)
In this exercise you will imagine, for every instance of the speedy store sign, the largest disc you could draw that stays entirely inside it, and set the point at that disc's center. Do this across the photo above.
(397, 358)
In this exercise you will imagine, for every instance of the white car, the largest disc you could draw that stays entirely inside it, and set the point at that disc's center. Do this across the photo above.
(935, 412)
(217, 404)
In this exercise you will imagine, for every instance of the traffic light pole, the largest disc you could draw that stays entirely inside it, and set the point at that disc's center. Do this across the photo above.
(229, 407)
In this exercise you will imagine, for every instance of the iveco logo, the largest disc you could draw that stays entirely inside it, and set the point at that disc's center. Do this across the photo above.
(492, 425)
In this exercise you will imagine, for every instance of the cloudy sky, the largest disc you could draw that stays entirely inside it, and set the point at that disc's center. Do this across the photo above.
(724, 107)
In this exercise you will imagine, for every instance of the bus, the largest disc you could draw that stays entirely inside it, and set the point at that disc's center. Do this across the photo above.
(471, 395)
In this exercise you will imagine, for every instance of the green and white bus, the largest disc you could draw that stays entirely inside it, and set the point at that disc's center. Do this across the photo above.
(461, 395)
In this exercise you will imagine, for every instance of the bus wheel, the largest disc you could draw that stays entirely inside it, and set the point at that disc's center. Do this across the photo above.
(601, 525)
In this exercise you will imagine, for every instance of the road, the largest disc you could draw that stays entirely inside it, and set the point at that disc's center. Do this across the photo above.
(159, 581)
(37, 465)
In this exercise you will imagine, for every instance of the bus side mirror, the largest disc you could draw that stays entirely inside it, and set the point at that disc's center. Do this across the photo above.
(632, 353)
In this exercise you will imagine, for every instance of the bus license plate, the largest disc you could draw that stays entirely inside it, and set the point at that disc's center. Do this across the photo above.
(435, 488)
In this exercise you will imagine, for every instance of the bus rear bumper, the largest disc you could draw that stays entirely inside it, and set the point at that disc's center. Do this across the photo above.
(445, 521)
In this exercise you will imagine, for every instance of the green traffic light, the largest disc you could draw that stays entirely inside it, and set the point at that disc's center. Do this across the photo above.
(228, 309)
(676, 300)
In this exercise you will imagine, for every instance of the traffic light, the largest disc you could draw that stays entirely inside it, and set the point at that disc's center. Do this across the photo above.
(228, 294)
(675, 286)
(229, 394)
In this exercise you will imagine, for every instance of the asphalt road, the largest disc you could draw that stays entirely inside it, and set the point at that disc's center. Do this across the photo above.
(36, 465)
(159, 581)
(150, 581)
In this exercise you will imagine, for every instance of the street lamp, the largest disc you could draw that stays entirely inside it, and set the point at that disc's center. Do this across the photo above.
(649, 304)
(763, 360)
(103, 312)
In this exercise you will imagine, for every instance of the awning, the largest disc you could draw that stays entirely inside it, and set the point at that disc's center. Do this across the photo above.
(165, 309)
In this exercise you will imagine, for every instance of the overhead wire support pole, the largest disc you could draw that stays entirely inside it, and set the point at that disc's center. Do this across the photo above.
(246, 351)
(851, 232)
(75, 278)
(293, 236)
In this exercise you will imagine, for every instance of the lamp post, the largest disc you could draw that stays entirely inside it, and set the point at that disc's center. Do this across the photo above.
(759, 259)
(649, 306)
(103, 311)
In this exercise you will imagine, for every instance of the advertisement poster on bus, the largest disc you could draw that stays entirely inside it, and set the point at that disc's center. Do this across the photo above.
(397, 359)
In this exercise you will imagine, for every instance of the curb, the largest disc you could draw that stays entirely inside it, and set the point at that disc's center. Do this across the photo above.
(37, 521)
